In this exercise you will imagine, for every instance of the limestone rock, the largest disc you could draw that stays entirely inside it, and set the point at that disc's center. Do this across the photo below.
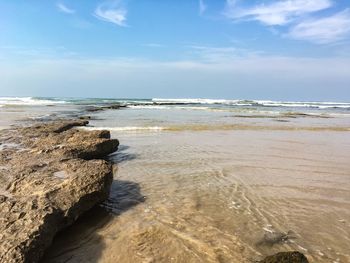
(49, 175)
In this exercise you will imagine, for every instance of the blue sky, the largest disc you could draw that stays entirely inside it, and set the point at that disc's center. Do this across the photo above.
(288, 49)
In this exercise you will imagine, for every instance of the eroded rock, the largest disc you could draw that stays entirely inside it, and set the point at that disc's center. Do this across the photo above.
(102, 108)
(50, 176)
(286, 257)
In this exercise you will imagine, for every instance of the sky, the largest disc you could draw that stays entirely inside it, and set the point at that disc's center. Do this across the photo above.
(234, 49)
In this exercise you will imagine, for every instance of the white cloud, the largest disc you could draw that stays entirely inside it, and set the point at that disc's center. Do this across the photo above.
(276, 13)
(112, 11)
(202, 7)
(63, 8)
(323, 30)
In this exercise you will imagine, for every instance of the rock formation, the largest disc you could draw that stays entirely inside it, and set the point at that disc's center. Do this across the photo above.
(49, 175)
(286, 257)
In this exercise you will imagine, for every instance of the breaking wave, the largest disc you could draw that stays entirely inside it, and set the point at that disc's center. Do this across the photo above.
(185, 103)
(30, 101)
(262, 103)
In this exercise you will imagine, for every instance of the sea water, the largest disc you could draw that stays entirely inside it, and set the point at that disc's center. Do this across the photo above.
(213, 180)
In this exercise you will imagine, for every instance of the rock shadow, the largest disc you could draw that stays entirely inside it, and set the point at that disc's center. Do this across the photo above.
(121, 155)
(81, 242)
(123, 196)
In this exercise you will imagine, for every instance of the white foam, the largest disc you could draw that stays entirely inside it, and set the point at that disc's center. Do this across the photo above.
(270, 103)
(196, 101)
(27, 101)
(308, 104)
(126, 128)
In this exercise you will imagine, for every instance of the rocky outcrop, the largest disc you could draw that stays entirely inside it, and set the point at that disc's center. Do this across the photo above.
(102, 108)
(286, 257)
(49, 175)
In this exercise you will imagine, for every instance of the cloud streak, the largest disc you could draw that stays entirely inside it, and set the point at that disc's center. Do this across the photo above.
(298, 18)
(202, 7)
(64, 9)
(112, 11)
(212, 55)
(323, 30)
(276, 13)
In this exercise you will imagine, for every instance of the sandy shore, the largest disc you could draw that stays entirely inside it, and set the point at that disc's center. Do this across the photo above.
(217, 188)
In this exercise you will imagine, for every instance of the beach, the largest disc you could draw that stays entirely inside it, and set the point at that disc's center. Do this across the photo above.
(209, 180)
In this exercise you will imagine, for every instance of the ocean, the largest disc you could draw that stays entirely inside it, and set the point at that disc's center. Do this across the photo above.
(177, 114)
(201, 180)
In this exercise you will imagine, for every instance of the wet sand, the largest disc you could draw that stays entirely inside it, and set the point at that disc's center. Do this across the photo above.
(220, 196)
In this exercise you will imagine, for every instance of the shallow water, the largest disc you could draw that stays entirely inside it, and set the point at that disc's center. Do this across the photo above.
(219, 194)
(24, 114)
(196, 184)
